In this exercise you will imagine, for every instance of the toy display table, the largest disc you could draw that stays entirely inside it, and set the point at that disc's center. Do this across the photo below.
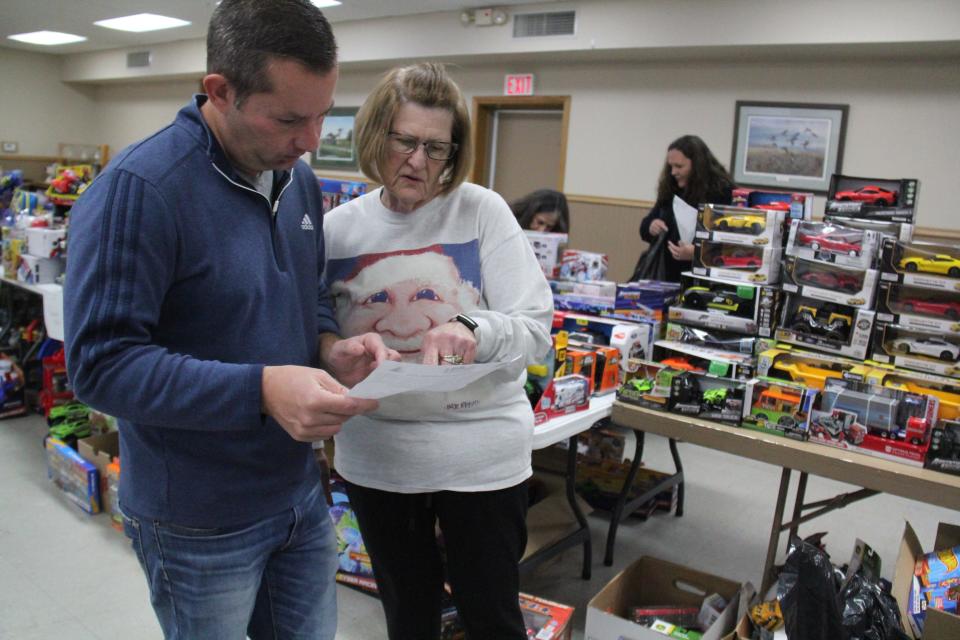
(875, 475)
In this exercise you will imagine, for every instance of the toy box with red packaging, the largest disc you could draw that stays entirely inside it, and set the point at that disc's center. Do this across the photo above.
(927, 265)
(714, 303)
(919, 350)
(564, 395)
(797, 205)
(876, 198)
(879, 421)
(919, 308)
(737, 225)
(945, 390)
(740, 263)
(544, 619)
(634, 339)
(830, 283)
(606, 365)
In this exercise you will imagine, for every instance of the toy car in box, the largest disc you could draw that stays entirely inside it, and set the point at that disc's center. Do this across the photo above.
(879, 421)
(930, 310)
(633, 339)
(606, 365)
(707, 396)
(910, 349)
(820, 281)
(945, 389)
(878, 198)
(944, 452)
(808, 368)
(713, 303)
(922, 264)
(564, 395)
(643, 299)
(902, 231)
(777, 407)
(741, 263)
(796, 205)
(832, 244)
(827, 326)
(710, 338)
(647, 384)
(736, 225)
(582, 265)
(690, 357)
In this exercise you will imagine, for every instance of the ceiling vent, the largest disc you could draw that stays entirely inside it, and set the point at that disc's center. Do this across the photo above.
(138, 59)
(552, 23)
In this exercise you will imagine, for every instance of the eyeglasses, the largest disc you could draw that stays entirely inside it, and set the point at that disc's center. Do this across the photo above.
(435, 150)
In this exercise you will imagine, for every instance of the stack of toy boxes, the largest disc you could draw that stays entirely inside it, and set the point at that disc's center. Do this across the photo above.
(734, 243)
(918, 307)
(548, 247)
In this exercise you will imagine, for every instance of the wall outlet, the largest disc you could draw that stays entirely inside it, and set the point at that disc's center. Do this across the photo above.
(10, 147)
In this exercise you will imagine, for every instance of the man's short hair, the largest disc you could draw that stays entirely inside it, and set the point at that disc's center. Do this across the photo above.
(428, 85)
(245, 35)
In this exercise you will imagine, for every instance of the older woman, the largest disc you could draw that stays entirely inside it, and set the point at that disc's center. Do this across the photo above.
(442, 271)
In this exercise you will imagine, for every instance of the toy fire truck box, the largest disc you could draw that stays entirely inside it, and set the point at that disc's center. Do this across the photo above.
(944, 452)
(582, 265)
(714, 303)
(34, 270)
(926, 265)
(930, 310)
(649, 581)
(644, 299)
(878, 421)
(820, 281)
(606, 368)
(875, 198)
(737, 225)
(808, 368)
(598, 288)
(548, 248)
(902, 231)
(647, 385)
(711, 339)
(908, 348)
(706, 396)
(633, 339)
(826, 326)
(778, 407)
(45, 242)
(945, 390)
(833, 244)
(685, 356)
(77, 478)
(564, 395)
(796, 205)
(920, 620)
(760, 265)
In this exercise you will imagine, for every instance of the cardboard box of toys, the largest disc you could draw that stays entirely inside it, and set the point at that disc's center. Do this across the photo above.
(77, 478)
(929, 310)
(738, 263)
(833, 244)
(713, 303)
(919, 350)
(917, 564)
(830, 283)
(100, 450)
(826, 326)
(652, 582)
(927, 265)
(737, 225)
(877, 198)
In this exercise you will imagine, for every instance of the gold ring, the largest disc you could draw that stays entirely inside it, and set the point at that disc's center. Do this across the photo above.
(452, 359)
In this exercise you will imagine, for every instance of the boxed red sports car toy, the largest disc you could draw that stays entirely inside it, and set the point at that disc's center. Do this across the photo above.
(833, 244)
(760, 265)
(820, 281)
(920, 309)
(878, 198)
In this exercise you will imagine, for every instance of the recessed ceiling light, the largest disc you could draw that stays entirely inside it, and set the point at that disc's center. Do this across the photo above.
(323, 4)
(47, 38)
(142, 22)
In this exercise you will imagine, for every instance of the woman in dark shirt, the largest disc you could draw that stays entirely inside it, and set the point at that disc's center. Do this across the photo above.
(692, 172)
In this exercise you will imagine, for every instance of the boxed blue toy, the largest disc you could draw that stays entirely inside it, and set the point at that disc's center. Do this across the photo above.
(77, 478)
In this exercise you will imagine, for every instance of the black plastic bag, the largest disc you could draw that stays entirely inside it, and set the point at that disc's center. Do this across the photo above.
(809, 606)
(869, 611)
(652, 263)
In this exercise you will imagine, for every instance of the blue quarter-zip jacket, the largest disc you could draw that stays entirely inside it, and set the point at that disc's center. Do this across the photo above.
(182, 284)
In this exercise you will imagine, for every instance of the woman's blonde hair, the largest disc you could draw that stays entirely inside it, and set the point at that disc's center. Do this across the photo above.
(428, 85)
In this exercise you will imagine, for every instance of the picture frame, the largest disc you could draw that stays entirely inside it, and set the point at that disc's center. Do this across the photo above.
(338, 148)
(788, 145)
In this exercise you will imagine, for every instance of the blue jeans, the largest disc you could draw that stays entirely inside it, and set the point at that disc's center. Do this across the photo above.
(270, 579)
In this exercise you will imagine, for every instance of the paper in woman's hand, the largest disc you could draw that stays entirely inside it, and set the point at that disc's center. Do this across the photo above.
(392, 378)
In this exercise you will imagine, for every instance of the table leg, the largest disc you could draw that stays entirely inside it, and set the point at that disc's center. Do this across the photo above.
(617, 513)
(679, 467)
(578, 514)
(798, 505)
(767, 577)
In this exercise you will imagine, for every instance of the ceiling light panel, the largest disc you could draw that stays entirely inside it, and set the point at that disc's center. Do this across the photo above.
(323, 4)
(47, 38)
(142, 22)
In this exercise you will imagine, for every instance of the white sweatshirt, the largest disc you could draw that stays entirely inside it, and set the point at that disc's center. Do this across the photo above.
(400, 274)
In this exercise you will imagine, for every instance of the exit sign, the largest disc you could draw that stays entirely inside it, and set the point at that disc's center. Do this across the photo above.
(518, 84)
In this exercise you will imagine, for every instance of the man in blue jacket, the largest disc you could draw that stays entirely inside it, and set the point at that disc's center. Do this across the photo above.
(196, 314)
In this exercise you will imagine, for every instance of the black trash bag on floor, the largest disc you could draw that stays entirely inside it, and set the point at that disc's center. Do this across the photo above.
(652, 263)
(869, 611)
(809, 595)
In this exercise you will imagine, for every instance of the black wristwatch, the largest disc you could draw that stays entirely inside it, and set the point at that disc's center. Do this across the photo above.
(466, 321)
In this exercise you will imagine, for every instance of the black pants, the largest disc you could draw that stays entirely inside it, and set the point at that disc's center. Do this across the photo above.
(484, 535)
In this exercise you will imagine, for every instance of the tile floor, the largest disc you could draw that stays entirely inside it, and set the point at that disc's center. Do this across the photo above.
(64, 574)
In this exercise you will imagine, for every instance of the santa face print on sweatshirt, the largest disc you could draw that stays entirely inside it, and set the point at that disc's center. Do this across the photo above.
(403, 294)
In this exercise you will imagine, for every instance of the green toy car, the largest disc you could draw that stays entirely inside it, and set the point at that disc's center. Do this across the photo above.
(714, 398)
(641, 385)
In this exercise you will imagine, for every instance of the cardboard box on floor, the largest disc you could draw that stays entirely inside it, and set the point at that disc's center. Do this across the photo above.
(100, 450)
(938, 625)
(550, 518)
(649, 581)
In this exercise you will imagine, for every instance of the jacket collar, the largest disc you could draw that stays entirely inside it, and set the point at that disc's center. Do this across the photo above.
(191, 118)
